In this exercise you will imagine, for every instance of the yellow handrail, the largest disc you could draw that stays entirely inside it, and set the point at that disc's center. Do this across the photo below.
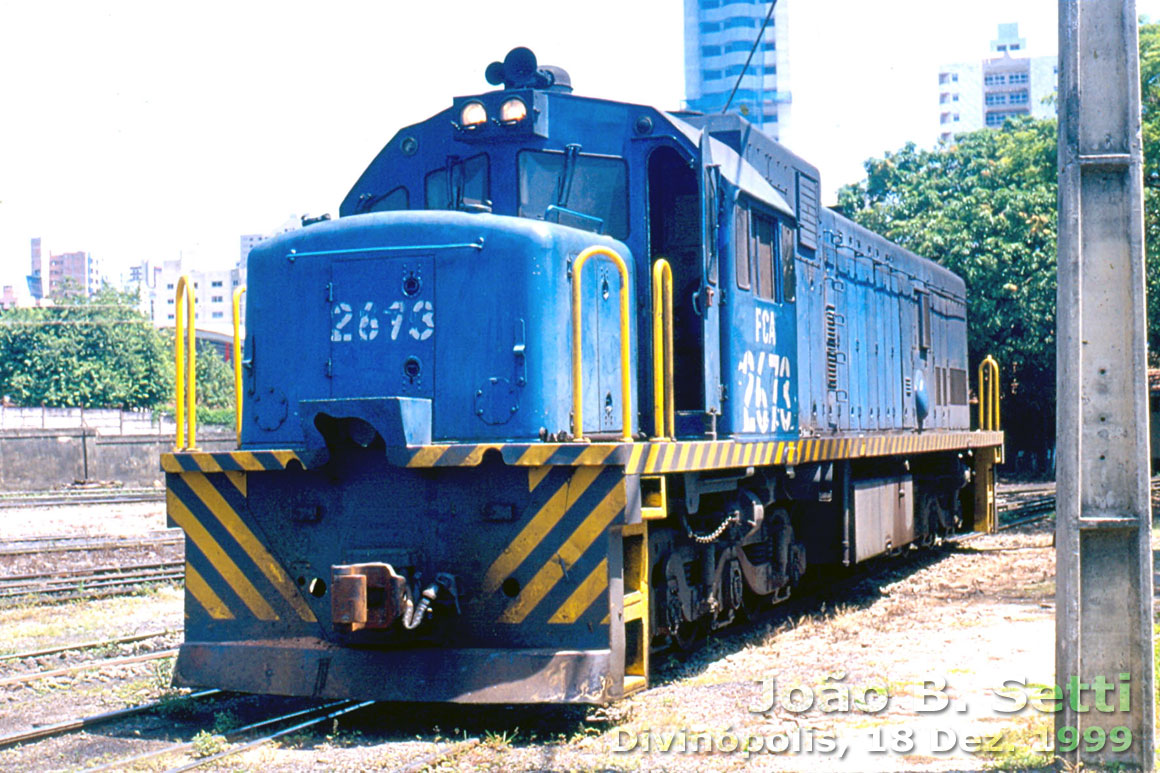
(577, 385)
(664, 413)
(186, 413)
(238, 363)
(989, 394)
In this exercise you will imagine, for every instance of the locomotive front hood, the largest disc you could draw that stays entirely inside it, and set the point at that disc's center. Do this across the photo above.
(398, 329)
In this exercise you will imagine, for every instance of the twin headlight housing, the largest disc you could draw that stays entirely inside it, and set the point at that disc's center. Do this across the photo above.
(500, 114)
(473, 114)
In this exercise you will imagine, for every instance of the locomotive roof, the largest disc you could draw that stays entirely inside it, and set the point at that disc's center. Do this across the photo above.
(734, 168)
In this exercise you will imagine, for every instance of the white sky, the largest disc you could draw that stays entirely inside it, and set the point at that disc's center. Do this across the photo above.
(139, 130)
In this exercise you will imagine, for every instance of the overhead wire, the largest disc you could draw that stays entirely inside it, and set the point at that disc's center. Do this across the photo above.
(749, 59)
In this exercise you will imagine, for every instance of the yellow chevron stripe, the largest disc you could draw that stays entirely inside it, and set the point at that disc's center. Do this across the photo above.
(476, 454)
(247, 462)
(538, 527)
(595, 454)
(205, 462)
(427, 456)
(285, 457)
(582, 598)
(239, 480)
(667, 458)
(683, 457)
(257, 552)
(537, 474)
(566, 557)
(218, 558)
(536, 456)
(200, 590)
(634, 456)
(751, 454)
(654, 452)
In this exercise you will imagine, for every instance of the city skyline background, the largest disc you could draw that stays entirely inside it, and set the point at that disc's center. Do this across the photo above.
(139, 131)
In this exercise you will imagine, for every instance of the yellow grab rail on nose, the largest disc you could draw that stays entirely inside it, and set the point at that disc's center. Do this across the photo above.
(186, 403)
(577, 376)
(238, 364)
(664, 421)
(989, 394)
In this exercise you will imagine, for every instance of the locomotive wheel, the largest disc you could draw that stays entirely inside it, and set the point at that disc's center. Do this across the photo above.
(689, 636)
(752, 604)
(928, 516)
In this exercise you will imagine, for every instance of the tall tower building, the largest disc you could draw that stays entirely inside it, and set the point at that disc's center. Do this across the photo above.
(719, 35)
(1006, 84)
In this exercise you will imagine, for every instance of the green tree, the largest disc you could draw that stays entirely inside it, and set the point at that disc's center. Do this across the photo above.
(94, 353)
(101, 352)
(984, 207)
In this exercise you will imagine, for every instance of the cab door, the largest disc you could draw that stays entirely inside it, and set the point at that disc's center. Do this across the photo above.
(707, 301)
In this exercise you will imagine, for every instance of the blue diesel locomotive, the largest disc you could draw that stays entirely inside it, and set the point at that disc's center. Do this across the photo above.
(567, 381)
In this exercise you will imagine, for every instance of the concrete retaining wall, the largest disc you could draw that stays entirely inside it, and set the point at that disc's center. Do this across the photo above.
(103, 421)
(34, 459)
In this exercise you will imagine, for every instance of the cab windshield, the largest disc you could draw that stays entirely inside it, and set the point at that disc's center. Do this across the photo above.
(575, 189)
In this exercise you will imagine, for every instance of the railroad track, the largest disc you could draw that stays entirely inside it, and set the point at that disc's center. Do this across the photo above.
(137, 637)
(66, 497)
(244, 737)
(90, 582)
(42, 545)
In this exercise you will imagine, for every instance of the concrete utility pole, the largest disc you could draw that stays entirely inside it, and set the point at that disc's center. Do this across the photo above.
(1103, 624)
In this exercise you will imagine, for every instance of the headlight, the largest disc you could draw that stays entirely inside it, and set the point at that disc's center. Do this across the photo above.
(513, 111)
(473, 114)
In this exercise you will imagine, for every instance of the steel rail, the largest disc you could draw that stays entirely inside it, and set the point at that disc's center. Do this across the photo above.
(14, 504)
(28, 546)
(89, 645)
(272, 736)
(32, 677)
(80, 584)
(79, 724)
(63, 575)
(180, 747)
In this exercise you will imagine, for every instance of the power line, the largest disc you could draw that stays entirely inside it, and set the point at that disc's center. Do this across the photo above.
(756, 43)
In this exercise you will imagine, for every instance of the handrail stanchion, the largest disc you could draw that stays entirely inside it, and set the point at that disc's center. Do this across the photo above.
(664, 421)
(625, 374)
(238, 363)
(989, 394)
(186, 403)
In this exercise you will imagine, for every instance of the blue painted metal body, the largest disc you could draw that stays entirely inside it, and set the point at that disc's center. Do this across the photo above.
(387, 350)
(465, 316)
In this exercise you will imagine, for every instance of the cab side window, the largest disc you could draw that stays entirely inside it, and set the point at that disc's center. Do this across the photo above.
(741, 246)
(764, 234)
(759, 261)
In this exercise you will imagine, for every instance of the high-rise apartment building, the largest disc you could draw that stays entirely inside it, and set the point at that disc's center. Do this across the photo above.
(719, 36)
(985, 94)
(35, 279)
(67, 272)
(213, 289)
